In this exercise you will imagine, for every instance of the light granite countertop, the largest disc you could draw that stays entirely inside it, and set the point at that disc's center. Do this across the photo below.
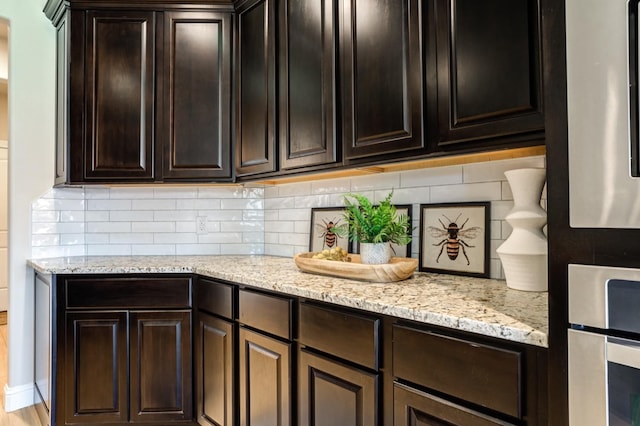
(482, 306)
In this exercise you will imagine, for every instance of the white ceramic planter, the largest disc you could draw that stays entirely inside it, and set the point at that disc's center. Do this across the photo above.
(375, 253)
(524, 253)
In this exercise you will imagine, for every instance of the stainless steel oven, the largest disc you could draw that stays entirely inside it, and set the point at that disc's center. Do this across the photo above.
(604, 346)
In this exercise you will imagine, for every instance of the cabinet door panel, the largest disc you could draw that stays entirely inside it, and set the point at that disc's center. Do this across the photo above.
(160, 366)
(412, 407)
(381, 70)
(120, 87)
(500, 94)
(255, 100)
(265, 380)
(197, 70)
(96, 367)
(307, 82)
(214, 371)
(334, 394)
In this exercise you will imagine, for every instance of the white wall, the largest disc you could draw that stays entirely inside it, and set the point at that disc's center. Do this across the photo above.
(31, 154)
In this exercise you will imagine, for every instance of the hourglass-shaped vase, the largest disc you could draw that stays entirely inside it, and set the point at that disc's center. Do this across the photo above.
(524, 253)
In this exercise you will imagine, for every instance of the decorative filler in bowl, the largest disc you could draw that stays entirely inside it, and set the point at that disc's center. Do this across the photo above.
(398, 268)
(375, 227)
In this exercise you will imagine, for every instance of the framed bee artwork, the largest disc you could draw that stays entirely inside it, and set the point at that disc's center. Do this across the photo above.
(323, 220)
(397, 251)
(454, 238)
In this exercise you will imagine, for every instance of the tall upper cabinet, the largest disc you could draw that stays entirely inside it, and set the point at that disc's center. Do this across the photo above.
(144, 92)
(381, 71)
(489, 72)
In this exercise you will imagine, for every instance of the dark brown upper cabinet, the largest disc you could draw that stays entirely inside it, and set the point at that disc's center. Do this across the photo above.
(307, 75)
(197, 95)
(256, 88)
(381, 74)
(488, 72)
(144, 91)
(119, 98)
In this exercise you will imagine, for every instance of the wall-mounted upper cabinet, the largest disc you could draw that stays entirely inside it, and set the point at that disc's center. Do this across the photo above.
(144, 93)
(381, 75)
(488, 72)
(256, 88)
(308, 35)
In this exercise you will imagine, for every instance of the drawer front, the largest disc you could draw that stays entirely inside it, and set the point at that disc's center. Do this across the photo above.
(481, 374)
(107, 293)
(268, 313)
(216, 298)
(349, 336)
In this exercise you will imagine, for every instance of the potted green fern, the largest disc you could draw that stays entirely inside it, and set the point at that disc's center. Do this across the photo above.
(375, 227)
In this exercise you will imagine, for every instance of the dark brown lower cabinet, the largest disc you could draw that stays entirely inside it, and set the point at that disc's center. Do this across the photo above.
(96, 366)
(412, 407)
(265, 380)
(214, 356)
(115, 379)
(160, 366)
(331, 393)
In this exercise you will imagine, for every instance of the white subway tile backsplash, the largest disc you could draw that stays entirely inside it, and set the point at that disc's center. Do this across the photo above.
(109, 250)
(153, 227)
(197, 249)
(100, 227)
(131, 193)
(292, 190)
(101, 204)
(97, 216)
(153, 250)
(131, 238)
(494, 170)
(153, 204)
(331, 186)
(175, 238)
(131, 215)
(256, 219)
(375, 181)
(449, 175)
(487, 191)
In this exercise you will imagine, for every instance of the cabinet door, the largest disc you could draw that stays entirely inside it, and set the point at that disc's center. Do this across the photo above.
(197, 95)
(160, 366)
(307, 82)
(214, 357)
(62, 94)
(256, 81)
(96, 367)
(265, 380)
(335, 394)
(497, 94)
(119, 85)
(382, 91)
(412, 407)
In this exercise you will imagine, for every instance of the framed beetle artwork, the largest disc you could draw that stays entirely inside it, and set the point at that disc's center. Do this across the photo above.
(454, 238)
(321, 235)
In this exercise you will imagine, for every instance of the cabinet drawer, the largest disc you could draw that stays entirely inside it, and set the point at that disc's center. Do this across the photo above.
(268, 313)
(216, 298)
(347, 335)
(481, 374)
(122, 293)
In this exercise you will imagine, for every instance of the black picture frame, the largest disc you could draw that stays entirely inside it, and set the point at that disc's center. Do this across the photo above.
(398, 251)
(321, 218)
(455, 238)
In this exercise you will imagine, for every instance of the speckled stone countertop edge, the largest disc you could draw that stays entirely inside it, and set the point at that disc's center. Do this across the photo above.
(481, 306)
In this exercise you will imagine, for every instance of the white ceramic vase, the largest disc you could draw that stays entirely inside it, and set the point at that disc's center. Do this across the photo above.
(524, 253)
(375, 253)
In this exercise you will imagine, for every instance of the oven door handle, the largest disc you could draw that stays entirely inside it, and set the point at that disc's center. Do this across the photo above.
(624, 354)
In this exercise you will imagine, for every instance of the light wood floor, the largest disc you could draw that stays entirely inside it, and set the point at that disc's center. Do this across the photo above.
(24, 417)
